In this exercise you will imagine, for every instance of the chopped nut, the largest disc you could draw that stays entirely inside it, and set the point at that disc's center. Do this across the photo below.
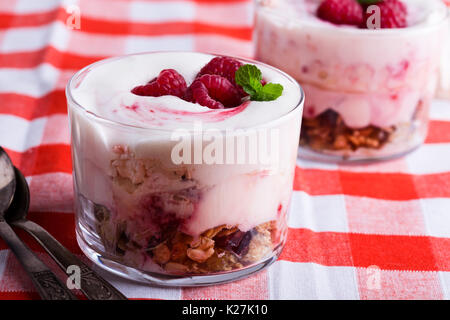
(161, 254)
(175, 267)
(373, 143)
(132, 169)
(178, 253)
(222, 261)
(195, 268)
(211, 233)
(266, 227)
(180, 243)
(200, 255)
(202, 243)
(226, 232)
(201, 249)
(340, 143)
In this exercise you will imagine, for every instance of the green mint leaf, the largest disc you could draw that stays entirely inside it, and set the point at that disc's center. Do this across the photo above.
(368, 2)
(270, 91)
(249, 78)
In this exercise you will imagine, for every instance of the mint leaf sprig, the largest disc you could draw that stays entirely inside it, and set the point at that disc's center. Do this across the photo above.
(249, 78)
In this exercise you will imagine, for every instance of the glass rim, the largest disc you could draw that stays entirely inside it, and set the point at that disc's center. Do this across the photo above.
(368, 32)
(94, 116)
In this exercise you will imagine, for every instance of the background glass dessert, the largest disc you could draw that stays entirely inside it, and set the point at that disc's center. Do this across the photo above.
(145, 216)
(367, 91)
(444, 84)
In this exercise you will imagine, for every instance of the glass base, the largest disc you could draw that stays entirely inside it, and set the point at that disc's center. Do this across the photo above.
(109, 263)
(310, 154)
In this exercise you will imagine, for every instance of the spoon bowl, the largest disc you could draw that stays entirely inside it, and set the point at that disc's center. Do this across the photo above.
(19, 206)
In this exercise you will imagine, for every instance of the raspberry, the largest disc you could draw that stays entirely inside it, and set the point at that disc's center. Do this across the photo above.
(393, 14)
(341, 12)
(169, 82)
(222, 66)
(214, 92)
(225, 67)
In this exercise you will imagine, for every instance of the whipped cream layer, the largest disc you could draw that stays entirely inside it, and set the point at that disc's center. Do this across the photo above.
(106, 92)
(374, 70)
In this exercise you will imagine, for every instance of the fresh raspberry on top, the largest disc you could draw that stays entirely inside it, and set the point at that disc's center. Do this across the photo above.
(393, 14)
(222, 66)
(225, 67)
(169, 82)
(341, 12)
(214, 92)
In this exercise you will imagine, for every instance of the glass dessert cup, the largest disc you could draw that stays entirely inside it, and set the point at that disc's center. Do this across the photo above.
(444, 84)
(368, 92)
(142, 214)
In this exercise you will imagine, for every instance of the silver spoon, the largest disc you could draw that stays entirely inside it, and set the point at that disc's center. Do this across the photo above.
(47, 284)
(91, 284)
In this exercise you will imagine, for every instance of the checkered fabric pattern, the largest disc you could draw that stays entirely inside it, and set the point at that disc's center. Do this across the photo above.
(356, 232)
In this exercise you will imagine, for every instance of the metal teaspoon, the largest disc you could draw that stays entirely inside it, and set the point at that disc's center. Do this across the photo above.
(92, 285)
(47, 284)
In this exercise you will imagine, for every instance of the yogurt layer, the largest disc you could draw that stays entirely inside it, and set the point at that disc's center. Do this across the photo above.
(106, 92)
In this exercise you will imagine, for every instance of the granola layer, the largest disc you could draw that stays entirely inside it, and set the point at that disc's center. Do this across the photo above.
(223, 248)
(328, 131)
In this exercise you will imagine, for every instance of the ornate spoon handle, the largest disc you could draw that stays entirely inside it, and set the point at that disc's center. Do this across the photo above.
(47, 284)
(92, 285)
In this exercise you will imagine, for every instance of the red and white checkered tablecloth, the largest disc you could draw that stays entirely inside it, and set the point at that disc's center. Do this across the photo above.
(356, 232)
